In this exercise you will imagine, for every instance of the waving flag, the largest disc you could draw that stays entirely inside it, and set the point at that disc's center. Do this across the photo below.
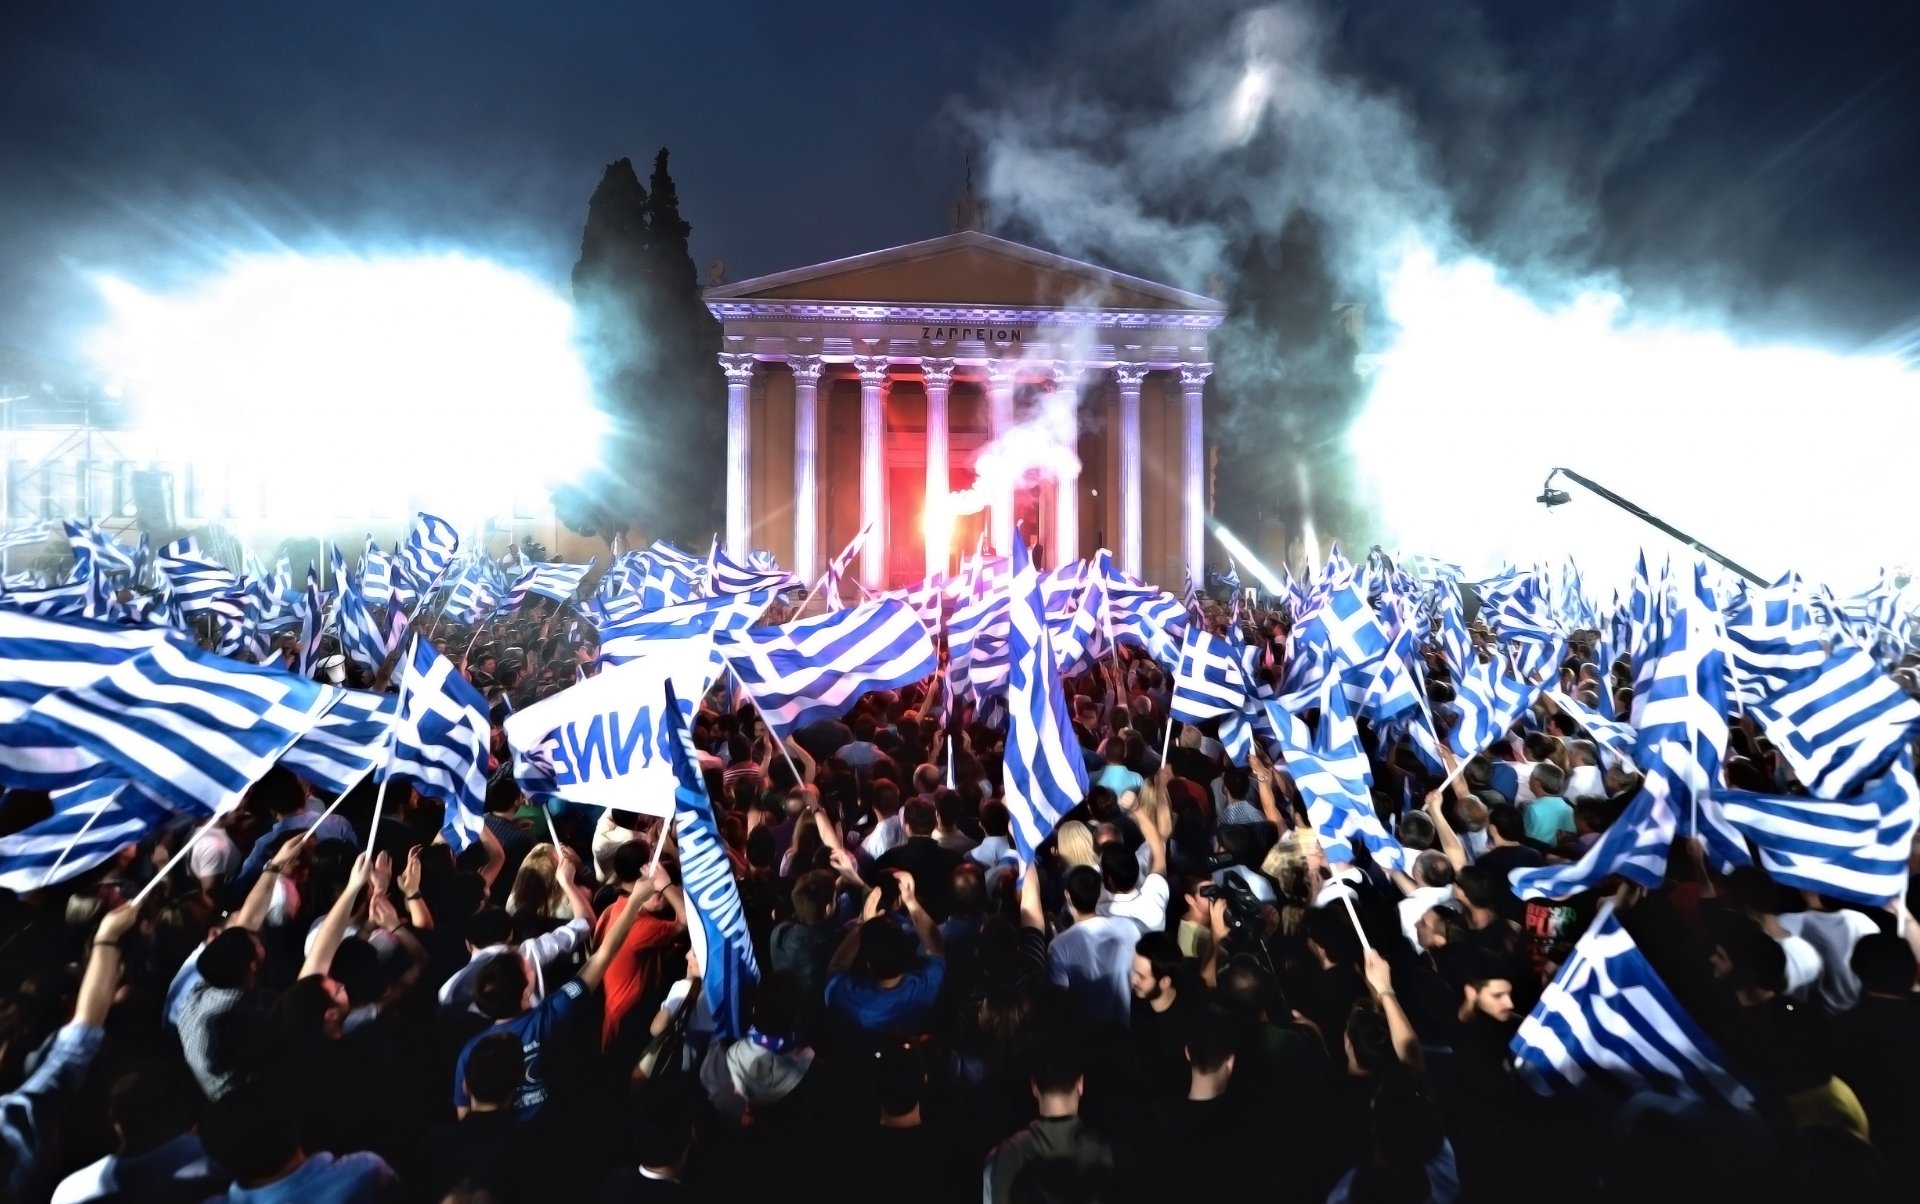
(31, 535)
(1772, 640)
(720, 937)
(1608, 1028)
(669, 582)
(1210, 681)
(476, 593)
(90, 823)
(1141, 615)
(977, 656)
(348, 742)
(1331, 772)
(375, 581)
(559, 582)
(1489, 700)
(816, 668)
(725, 576)
(95, 553)
(626, 639)
(837, 568)
(360, 636)
(196, 578)
(1635, 846)
(428, 553)
(1852, 848)
(313, 626)
(1045, 772)
(1841, 724)
(440, 741)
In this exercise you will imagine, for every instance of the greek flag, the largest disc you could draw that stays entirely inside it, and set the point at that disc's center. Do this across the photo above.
(1450, 634)
(376, 576)
(196, 578)
(725, 576)
(1141, 615)
(837, 568)
(1614, 740)
(816, 668)
(669, 581)
(1772, 641)
(623, 577)
(440, 741)
(31, 535)
(626, 639)
(96, 553)
(1045, 771)
(1210, 681)
(1331, 772)
(556, 581)
(360, 636)
(313, 626)
(1635, 846)
(1852, 848)
(1079, 638)
(1490, 700)
(90, 823)
(977, 636)
(720, 938)
(1608, 1028)
(476, 593)
(427, 554)
(347, 743)
(1060, 589)
(52, 602)
(191, 728)
(1841, 724)
(1340, 635)
(39, 657)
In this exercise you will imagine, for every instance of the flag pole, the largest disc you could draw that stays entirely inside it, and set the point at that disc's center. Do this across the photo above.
(1347, 898)
(798, 778)
(72, 844)
(176, 859)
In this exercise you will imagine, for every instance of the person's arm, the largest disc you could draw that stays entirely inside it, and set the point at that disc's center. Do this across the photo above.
(418, 913)
(104, 959)
(596, 968)
(1406, 1045)
(1449, 839)
(842, 959)
(923, 924)
(1262, 771)
(334, 928)
(1150, 832)
(1032, 913)
(496, 859)
(829, 835)
(253, 912)
(802, 759)
(567, 875)
(1217, 928)
(381, 914)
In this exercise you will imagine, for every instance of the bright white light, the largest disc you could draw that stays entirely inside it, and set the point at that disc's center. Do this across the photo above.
(1780, 457)
(1245, 555)
(309, 389)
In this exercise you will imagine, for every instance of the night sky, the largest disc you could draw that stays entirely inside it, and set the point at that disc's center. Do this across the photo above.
(1768, 169)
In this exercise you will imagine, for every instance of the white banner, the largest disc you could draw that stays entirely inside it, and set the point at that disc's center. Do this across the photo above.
(605, 740)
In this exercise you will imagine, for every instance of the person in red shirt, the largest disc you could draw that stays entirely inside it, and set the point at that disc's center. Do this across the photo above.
(649, 960)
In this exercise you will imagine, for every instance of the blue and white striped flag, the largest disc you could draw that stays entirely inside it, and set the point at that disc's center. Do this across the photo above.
(441, 741)
(90, 823)
(1331, 771)
(627, 639)
(1772, 640)
(1489, 699)
(725, 576)
(197, 578)
(1852, 848)
(30, 535)
(1045, 771)
(476, 593)
(313, 626)
(817, 668)
(1841, 724)
(559, 582)
(721, 940)
(1607, 1028)
(376, 576)
(1613, 739)
(96, 553)
(837, 568)
(191, 728)
(1635, 846)
(669, 581)
(348, 742)
(977, 635)
(50, 602)
(1210, 681)
(423, 560)
(39, 656)
(360, 636)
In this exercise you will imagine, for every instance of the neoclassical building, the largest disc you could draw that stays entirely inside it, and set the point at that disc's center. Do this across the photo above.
(857, 389)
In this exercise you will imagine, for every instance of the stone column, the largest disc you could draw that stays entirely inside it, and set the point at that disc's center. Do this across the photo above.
(739, 370)
(806, 466)
(1129, 378)
(1193, 384)
(873, 467)
(1000, 382)
(939, 481)
(1066, 485)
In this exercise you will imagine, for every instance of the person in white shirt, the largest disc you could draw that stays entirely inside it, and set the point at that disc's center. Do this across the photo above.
(1093, 959)
(489, 934)
(1584, 779)
(214, 859)
(156, 1154)
(1833, 933)
(997, 846)
(1430, 885)
(889, 831)
(1138, 895)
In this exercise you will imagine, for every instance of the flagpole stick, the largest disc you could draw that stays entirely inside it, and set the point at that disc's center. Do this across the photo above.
(176, 859)
(71, 844)
(798, 779)
(1347, 898)
(379, 799)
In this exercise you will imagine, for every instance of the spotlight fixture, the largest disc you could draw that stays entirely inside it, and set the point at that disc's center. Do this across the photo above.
(1551, 497)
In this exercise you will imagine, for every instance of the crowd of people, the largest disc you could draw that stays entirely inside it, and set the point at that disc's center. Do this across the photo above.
(1178, 999)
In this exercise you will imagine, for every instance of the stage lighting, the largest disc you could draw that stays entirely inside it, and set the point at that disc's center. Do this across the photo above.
(1551, 497)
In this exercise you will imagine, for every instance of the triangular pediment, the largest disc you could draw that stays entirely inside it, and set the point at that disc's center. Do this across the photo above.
(965, 269)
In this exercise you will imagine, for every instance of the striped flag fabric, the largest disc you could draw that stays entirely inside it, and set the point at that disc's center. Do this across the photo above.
(1772, 640)
(360, 636)
(816, 668)
(90, 823)
(1841, 724)
(560, 582)
(1331, 771)
(837, 568)
(726, 576)
(1614, 740)
(1210, 681)
(196, 578)
(441, 741)
(1852, 848)
(722, 943)
(669, 582)
(477, 591)
(347, 743)
(1080, 638)
(49, 602)
(977, 656)
(39, 656)
(1044, 770)
(313, 626)
(627, 639)
(376, 583)
(96, 553)
(1141, 615)
(191, 728)
(1635, 846)
(1607, 1028)
(428, 553)
(624, 576)
(1489, 699)
(28, 536)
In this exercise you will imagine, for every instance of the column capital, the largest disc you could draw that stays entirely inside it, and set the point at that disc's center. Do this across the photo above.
(1193, 377)
(1130, 376)
(738, 366)
(1002, 375)
(939, 372)
(807, 369)
(1068, 374)
(873, 370)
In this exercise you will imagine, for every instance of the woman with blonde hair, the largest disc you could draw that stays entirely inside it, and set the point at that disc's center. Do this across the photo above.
(1075, 842)
(536, 888)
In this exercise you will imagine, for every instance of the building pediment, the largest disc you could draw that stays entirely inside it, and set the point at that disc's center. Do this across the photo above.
(969, 269)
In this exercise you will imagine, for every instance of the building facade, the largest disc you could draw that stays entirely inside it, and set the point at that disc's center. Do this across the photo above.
(902, 388)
